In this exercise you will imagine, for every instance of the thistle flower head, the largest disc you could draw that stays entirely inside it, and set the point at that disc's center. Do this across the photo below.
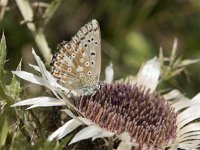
(145, 115)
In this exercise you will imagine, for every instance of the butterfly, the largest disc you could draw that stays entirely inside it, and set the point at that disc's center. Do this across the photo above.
(77, 63)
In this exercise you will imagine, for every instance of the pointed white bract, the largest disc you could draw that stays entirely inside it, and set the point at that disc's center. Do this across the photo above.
(91, 131)
(174, 95)
(86, 133)
(35, 67)
(81, 119)
(188, 131)
(109, 72)
(149, 74)
(40, 102)
(185, 103)
(103, 134)
(41, 66)
(68, 127)
(188, 115)
(30, 77)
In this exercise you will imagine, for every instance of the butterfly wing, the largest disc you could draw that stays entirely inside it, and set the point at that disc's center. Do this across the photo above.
(77, 64)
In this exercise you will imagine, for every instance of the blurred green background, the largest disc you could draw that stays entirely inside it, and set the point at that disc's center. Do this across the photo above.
(132, 32)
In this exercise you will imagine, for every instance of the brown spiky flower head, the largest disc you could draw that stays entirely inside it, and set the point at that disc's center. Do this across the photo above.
(145, 115)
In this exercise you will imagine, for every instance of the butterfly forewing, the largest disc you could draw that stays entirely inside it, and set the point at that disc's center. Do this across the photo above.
(77, 64)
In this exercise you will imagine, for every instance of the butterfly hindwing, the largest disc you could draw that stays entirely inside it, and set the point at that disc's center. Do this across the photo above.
(77, 64)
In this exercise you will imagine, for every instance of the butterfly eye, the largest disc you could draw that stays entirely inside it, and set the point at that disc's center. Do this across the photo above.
(96, 43)
(85, 45)
(88, 41)
(92, 39)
